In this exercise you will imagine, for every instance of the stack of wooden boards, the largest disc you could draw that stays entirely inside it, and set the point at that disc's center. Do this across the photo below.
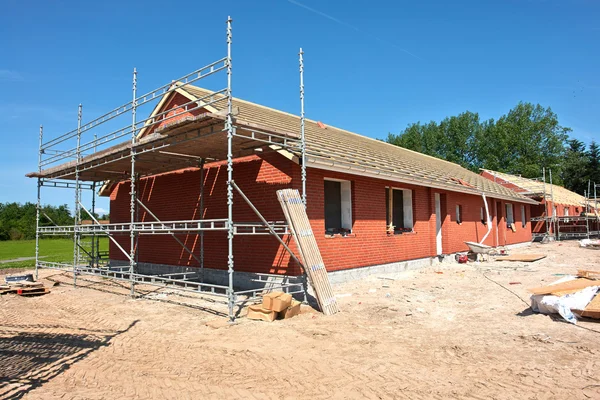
(314, 267)
(585, 278)
(24, 288)
(275, 305)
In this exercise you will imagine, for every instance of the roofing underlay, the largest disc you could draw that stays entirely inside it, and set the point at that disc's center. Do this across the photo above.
(534, 188)
(327, 148)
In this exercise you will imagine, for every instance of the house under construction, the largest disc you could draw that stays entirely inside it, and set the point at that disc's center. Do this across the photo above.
(561, 213)
(193, 201)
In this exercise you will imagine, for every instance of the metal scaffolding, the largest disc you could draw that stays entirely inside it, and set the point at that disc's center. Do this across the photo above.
(169, 147)
(585, 225)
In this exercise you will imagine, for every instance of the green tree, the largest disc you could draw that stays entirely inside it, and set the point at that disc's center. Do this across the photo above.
(575, 173)
(593, 167)
(523, 141)
(17, 221)
(452, 139)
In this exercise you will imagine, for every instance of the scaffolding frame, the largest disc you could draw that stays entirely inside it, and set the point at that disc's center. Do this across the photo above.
(567, 227)
(78, 175)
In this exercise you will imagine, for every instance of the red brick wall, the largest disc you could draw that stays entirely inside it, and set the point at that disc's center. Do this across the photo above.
(175, 112)
(175, 196)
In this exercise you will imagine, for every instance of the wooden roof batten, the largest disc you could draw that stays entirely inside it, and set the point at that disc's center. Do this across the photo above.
(534, 188)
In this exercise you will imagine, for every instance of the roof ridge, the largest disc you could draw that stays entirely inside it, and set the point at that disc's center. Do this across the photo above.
(334, 127)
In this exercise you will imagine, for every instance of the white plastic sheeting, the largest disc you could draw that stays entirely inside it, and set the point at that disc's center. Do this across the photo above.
(563, 305)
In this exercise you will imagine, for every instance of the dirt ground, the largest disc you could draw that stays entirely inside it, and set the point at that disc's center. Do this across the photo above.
(446, 332)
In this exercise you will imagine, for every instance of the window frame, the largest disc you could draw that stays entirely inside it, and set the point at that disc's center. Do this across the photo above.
(407, 210)
(510, 221)
(483, 216)
(345, 206)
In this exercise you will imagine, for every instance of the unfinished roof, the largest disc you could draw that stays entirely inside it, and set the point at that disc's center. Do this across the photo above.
(337, 149)
(535, 188)
(181, 143)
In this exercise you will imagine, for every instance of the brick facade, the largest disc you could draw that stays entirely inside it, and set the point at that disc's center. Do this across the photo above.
(176, 196)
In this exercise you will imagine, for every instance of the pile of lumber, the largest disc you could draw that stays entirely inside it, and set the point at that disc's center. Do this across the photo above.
(578, 284)
(24, 288)
(275, 305)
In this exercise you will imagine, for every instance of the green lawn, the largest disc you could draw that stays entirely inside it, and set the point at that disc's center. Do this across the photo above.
(56, 250)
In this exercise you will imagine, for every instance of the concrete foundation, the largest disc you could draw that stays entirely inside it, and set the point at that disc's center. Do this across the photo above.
(247, 280)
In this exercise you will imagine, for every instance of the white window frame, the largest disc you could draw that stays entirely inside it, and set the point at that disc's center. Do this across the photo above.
(459, 214)
(346, 199)
(407, 207)
(509, 212)
(523, 216)
(566, 213)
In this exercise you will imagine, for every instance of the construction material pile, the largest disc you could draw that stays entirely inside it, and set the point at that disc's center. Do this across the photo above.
(570, 296)
(275, 305)
(23, 285)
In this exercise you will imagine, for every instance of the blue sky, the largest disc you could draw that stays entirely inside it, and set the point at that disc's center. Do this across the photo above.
(371, 66)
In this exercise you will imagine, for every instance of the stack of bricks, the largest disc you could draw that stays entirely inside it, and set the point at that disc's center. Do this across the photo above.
(275, 305)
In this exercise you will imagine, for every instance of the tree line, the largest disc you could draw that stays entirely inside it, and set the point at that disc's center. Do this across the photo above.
(17, 221)
(521, 142)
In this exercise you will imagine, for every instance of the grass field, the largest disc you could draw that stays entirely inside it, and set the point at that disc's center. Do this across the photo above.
(56, 250)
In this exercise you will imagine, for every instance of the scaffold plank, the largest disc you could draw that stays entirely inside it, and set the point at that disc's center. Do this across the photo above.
(295, 213)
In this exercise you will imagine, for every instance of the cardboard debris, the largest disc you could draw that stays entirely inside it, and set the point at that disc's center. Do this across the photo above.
(291, 311)
(257, 312)
(277, 301)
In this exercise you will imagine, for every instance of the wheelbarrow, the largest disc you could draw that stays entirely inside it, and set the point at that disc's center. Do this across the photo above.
(484, 250)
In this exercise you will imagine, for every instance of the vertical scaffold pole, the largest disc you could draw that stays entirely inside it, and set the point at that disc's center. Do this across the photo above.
(555, 225)
(77, 211)
(303, 156)
(595, 199)
(545, 202)
(302, 138)
(38, 205)
(229, 127)
(202, 217)
(587, 205)
(95, 238)
(132, 192)
(93, 211)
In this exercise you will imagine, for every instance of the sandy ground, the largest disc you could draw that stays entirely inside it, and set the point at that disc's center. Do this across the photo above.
(448, 332)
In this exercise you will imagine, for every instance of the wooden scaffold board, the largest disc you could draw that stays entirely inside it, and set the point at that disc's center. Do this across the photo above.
(299, 225)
